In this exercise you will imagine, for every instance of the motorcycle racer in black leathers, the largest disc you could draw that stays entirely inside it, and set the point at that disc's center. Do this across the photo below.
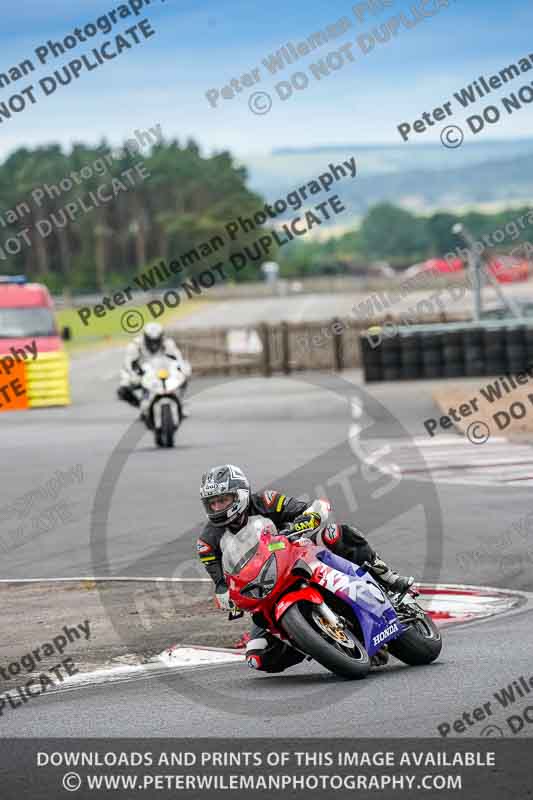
(228, 503)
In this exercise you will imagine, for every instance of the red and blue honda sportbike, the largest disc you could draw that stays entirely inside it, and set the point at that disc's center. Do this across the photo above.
(323, 605)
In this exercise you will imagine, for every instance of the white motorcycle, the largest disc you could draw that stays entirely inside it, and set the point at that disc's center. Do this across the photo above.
(163, 384)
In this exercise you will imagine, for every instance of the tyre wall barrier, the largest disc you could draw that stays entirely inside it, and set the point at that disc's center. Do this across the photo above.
(452, 351)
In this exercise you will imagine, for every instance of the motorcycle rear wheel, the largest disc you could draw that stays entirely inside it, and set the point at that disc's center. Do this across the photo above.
(420, 644)
(298, 624)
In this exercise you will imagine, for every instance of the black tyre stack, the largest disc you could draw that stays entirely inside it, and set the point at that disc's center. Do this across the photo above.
(431, 352)
(474, 353)
(372, 366)
(515, 348)
(453, 355)
(528, 335)
(410, 356)
(391, 359)
(495, 357)
(440, 351)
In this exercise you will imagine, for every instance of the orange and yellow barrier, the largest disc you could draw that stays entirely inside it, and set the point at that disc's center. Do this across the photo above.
(36, 383)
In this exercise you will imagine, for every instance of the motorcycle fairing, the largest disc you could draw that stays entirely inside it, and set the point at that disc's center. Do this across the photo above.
(305, 593)
(356, 587)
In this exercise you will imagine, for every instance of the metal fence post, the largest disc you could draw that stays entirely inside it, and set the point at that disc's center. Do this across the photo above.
(264, 335)
(285, 352)
(338, 344)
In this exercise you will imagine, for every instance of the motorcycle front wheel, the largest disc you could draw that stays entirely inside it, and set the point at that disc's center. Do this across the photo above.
(164, 437)
(336, 648)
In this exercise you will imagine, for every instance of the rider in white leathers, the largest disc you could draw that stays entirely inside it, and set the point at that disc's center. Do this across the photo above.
(152, 342)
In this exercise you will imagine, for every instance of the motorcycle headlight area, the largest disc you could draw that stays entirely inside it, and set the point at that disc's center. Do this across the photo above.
(263, 584)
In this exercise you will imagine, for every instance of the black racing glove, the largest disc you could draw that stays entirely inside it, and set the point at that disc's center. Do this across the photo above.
(305, 522)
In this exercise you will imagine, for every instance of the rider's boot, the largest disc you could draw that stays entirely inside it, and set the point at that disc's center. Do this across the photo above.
(127, 394)
(387, 577)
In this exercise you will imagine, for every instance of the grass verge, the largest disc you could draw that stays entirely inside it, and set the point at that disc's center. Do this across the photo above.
(109, 329)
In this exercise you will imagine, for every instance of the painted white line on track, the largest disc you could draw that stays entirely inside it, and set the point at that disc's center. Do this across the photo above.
(457, 461)
(183, 656)
(452, 459)
(120, 674)
(451, 439)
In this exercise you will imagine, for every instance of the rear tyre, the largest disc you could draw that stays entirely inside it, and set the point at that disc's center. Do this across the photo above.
(348, 662)
(420, 644)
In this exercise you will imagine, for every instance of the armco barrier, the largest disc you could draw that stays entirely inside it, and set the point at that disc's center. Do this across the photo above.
(448, 351)
(36, 384)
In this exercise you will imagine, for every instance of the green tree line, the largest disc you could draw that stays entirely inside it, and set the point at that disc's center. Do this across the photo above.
(397, 236)
(186, 200)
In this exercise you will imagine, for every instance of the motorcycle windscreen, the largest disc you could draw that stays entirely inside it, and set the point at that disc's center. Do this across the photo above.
(239, 548)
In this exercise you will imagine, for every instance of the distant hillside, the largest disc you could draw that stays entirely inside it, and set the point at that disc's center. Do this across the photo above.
(419, 177)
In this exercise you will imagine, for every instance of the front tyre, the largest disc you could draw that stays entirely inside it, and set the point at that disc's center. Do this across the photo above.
(165, 436)
(303, 625)
(420, 644)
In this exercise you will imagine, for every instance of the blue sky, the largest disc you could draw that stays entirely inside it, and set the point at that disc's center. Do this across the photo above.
(202, 44)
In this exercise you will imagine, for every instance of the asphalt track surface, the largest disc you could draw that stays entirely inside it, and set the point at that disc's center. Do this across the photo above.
(296, 307)
(286, 432)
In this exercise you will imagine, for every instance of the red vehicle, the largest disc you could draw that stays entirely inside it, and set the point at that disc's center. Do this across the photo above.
(323, 605)
(26, 315)
(509, 270)
(440, 265)
(34, 368)
(505, 268)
